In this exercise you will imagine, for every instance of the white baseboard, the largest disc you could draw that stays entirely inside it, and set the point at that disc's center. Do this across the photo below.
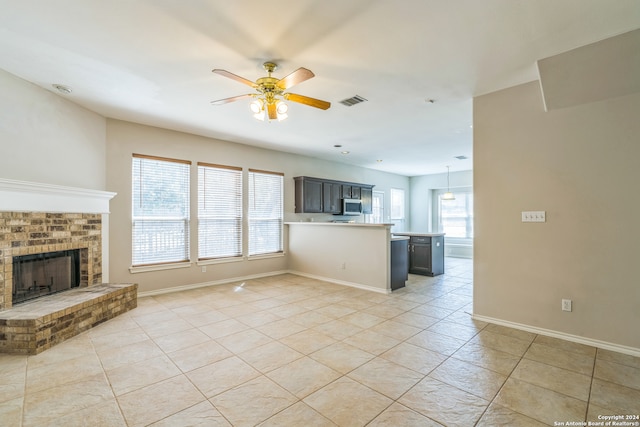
(211, 283)
(632, 351)
(458, 251)
(341, 282)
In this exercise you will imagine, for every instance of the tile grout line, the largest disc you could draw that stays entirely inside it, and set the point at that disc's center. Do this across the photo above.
(505, 382)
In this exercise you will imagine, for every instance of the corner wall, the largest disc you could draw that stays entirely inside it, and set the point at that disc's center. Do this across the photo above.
(46, 138)
(580, 165)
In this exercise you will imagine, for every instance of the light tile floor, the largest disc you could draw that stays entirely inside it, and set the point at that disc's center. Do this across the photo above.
(293, 351)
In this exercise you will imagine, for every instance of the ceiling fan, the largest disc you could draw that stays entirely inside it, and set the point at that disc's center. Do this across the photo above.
(270, 92)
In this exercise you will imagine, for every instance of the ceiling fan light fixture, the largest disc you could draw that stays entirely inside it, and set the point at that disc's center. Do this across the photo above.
(272, 92)
(256, 106)
(281, 110)
(281, 107)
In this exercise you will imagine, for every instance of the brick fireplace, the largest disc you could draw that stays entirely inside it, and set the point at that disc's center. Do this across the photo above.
(41, 218)
(27, 233)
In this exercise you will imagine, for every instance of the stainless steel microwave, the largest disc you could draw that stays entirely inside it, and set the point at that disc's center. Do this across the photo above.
(351, 206)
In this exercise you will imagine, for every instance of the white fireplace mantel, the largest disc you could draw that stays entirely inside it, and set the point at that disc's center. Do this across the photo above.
(23, 196)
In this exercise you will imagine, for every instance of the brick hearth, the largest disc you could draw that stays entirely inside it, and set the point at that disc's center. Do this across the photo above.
(34, 326)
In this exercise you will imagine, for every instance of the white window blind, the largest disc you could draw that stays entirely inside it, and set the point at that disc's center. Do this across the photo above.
(219, 211)
(160, 210)
(265, 212)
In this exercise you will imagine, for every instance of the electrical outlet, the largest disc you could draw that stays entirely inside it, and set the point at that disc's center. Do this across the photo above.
(344, 265)
(566, 305)
(204, 269)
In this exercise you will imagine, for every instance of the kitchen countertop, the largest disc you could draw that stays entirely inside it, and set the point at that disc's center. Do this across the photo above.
(339, 224)
(409, 233)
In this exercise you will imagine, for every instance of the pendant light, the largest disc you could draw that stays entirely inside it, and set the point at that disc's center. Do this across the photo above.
(448, 195)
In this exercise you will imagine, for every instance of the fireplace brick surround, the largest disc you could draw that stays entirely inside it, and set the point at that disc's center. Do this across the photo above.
(25, 233)
(34, 326)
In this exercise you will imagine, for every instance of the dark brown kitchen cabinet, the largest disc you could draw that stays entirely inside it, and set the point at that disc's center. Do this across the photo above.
(399, 273)
(366, 195)
(316, 195)
(331, 193)
(351, 191)
(308, 195)
(355, 192)
(346, 191)
(426, 254)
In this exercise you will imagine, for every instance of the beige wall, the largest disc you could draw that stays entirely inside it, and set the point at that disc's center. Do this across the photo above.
(46, 138)
(124, 138)
(580, 165)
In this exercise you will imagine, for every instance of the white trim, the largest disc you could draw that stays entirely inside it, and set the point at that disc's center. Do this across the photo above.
(220, 260)
(342, 282)
(23, 196)
(632, 351)
(158, 267)
(105, 248)
(458, 250)
(206, 284)
(265, 256)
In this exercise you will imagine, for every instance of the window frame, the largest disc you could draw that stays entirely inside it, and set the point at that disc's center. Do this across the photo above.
(211, 215)
(140, 262)
(393, 206)
(437, 215)
(250, 215)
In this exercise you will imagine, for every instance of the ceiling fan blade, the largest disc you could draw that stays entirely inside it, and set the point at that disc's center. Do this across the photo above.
(234, 77)
(232, 99)
(313, 102)
(298, 76)
(271, 110)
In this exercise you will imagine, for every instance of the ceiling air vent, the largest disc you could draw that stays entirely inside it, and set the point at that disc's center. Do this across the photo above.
(353, 100)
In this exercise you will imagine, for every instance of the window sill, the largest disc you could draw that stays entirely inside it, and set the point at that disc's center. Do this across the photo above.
(159, 267)
(220, 260)
(266, 256)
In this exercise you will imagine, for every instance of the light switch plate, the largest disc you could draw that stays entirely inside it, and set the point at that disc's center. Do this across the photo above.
(534, 216)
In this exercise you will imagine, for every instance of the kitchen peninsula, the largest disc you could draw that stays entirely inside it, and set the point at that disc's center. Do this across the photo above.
(353, 254)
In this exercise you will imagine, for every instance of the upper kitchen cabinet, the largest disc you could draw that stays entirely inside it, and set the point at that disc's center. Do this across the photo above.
(350, 191)
(366, 195)
(331, 192)
(316, 195)
(309, 194)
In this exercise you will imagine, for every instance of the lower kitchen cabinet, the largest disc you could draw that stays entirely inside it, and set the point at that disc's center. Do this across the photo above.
(399, 262)
(426, 253)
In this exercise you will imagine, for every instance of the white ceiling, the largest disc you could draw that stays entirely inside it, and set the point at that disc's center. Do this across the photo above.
(150, 61)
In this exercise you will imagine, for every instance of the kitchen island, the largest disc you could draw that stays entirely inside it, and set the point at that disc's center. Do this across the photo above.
(352, 254)
(426, 253)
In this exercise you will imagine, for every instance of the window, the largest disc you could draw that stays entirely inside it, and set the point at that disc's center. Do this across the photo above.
(160, 211)
(265, 212)
(377, 207)
(219, 211)
(397, 203)
(455, 217)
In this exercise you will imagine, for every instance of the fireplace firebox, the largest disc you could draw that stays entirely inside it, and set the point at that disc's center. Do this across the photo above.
(37, 275)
